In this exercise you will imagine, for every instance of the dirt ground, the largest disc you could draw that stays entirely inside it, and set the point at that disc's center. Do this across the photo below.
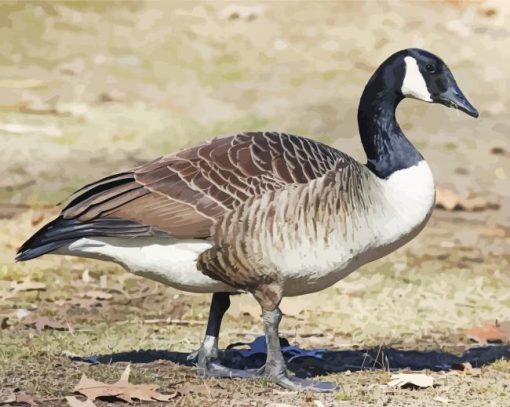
(91, 88)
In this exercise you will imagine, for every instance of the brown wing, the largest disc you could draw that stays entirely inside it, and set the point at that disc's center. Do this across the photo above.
(184, 194)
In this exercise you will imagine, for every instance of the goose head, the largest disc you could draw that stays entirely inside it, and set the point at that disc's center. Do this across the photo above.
(426, 77)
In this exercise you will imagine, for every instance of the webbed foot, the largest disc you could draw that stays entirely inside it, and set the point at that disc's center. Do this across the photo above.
(208, 365)
(297, 384)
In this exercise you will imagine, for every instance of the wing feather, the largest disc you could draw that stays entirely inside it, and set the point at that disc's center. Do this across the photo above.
(186, 193)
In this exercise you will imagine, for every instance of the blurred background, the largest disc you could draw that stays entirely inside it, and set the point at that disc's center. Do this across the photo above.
(90, 88)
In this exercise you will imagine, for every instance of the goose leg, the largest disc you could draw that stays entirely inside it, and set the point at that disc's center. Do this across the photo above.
(275, 368)
(220, 303)
(208, 352)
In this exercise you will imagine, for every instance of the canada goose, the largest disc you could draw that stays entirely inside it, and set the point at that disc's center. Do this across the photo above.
(270, 214)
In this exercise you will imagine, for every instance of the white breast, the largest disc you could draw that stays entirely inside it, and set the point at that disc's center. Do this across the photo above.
(169, 261)
(409, 196)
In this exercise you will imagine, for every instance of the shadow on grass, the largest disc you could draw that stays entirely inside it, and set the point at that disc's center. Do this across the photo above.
(318, 362)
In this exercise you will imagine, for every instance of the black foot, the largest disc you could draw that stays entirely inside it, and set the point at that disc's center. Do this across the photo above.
(298, 384)
(206, 359)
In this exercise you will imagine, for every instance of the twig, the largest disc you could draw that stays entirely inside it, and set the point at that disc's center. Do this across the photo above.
(169, 321)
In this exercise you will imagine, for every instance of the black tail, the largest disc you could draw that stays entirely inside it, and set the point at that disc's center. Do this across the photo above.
(60, 232)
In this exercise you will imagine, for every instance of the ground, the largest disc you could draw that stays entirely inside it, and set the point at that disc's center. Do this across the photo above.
(92, 88)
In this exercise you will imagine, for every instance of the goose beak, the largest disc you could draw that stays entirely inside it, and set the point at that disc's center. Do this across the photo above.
(453, 97)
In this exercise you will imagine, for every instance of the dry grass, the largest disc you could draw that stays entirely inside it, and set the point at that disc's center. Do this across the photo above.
(182, 72)
(422, 297)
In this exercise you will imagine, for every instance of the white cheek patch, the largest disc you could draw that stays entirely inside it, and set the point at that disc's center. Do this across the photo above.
(414, 84)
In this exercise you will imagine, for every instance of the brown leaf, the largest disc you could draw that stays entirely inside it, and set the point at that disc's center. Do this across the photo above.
(491, 332)
(122, 389)
(451, 201)
(76, 402)
(19, 399)
(411, 380)
(26, 399)
(7, 399)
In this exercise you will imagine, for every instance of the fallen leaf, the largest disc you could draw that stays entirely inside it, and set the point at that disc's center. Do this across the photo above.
(411, 380)
(491, 332)
(19, 399)
(451, 201)
(76, 402)
(7, 399)
(26, 399)
(122, 389)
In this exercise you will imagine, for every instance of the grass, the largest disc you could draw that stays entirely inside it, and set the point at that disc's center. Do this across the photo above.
(184, 74)
(502, 366)
(419, 298)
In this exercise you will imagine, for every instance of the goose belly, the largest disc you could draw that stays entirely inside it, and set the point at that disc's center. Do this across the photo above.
(309, 269)
(400, 207)
(166, 260)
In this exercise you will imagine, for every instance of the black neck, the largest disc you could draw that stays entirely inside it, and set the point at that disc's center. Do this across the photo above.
(387, 148)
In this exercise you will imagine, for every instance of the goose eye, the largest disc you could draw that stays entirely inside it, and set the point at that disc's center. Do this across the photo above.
(430, 68)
